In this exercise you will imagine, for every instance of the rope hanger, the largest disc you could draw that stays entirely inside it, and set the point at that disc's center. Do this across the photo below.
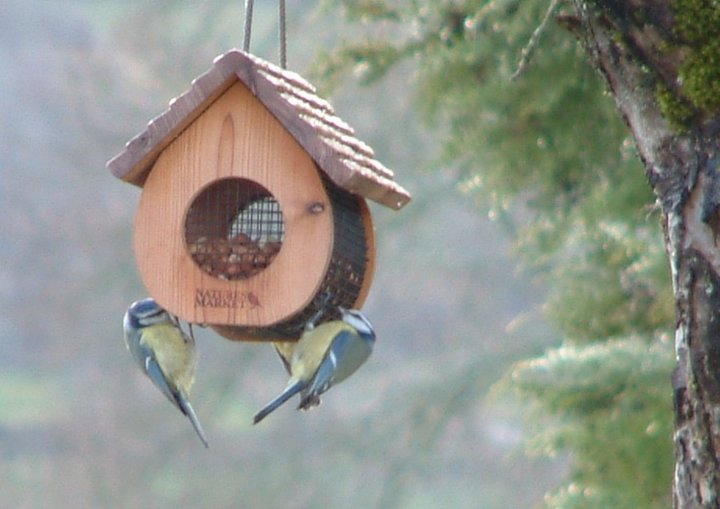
(282, 29)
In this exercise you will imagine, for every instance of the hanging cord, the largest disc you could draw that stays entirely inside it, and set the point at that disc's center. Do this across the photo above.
(283, 34)
(248, 24)
(282, 19)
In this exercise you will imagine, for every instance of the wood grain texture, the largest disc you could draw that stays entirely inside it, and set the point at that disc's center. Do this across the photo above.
(235, 137)
(311, 120)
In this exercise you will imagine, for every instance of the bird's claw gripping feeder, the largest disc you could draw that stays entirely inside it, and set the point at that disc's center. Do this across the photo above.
(252, 217)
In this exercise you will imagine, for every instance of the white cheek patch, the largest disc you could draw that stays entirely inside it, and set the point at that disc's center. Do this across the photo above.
(359, 324)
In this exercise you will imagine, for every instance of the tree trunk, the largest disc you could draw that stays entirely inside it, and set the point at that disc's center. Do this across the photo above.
(648, 53)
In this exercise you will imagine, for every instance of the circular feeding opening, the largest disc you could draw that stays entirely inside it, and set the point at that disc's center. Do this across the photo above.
(234, 229)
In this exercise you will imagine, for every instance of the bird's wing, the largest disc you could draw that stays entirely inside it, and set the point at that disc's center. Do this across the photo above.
(176, 398)
(152, 368)
(345, 346)
(325, 374)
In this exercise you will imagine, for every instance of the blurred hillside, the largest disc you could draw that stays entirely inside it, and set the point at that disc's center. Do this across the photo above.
(81, 427)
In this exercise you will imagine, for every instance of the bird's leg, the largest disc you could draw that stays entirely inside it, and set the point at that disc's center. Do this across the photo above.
(310, 324)
(176, 321)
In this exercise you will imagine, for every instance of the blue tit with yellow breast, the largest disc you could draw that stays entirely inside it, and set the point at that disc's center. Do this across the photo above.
(165, 353)
(325, 356)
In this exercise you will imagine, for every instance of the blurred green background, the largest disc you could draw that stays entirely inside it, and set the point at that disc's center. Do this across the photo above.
(79, 424)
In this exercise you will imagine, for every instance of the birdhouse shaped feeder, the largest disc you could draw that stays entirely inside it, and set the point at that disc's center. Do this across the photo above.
(252, 217)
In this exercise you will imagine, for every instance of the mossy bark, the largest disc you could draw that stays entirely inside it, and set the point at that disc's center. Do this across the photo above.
(647, 50)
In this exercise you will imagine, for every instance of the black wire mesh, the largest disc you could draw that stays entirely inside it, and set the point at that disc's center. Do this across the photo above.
(234, 229)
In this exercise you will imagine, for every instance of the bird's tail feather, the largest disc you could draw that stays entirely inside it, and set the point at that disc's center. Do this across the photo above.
(187, 409)
(288, 393)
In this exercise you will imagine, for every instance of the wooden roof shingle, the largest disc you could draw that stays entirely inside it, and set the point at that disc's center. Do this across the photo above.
(346, 160)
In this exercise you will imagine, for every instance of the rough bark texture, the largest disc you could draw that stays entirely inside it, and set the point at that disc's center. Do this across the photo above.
(638, 48)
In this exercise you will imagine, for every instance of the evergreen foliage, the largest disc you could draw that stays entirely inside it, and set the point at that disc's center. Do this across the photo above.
(611, 407)
(549, 153)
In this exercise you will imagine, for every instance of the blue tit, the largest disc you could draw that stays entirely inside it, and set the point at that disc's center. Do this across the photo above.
(325, 356)
(165, 353)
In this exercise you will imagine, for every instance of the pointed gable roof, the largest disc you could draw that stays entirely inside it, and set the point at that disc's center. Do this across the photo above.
(311, 120)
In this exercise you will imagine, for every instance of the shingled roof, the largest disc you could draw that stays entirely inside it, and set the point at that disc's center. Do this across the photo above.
(346, 160)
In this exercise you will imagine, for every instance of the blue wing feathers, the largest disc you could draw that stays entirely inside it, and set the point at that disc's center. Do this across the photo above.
(158, 378)
(346, 348)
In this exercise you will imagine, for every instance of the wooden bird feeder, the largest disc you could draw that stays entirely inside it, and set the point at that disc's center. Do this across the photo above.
(252, 216)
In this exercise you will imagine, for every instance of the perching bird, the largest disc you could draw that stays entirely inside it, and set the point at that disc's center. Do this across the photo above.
(165, 353)
(325, 356)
